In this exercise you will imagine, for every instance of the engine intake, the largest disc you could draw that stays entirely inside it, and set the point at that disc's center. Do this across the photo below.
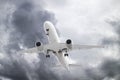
(38, 44)
(68, 41)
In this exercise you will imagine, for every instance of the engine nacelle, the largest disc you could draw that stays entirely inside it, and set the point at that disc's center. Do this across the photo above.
(68, 41)
(37, 44)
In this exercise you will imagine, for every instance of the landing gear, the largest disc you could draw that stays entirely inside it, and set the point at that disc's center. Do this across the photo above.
(65, 50)
(65, 54)
(47, 56)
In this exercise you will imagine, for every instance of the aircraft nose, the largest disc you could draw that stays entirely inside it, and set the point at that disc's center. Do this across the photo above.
(48, 24)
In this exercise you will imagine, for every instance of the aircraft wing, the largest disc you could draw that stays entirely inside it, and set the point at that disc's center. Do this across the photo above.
(32, 50)
(86, 46)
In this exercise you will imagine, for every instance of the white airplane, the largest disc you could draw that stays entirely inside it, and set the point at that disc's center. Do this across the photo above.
(55, 46)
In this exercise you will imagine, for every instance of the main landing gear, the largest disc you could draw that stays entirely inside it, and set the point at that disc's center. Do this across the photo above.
(64, 50)
(47, 56)
(66, 54)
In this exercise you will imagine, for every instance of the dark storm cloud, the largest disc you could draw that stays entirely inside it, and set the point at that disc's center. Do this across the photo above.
(13, 69)
(111, 67)
(27, 24)
(115, 24)
(45, 73)
(107, 70)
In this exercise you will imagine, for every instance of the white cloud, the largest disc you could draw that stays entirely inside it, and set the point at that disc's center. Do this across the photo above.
(82, 17)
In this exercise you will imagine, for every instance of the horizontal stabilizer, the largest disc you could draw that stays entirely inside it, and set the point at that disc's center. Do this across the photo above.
(74, 65)
(69, 65)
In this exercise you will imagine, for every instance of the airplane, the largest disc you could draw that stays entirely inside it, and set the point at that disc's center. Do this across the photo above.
(60, 50)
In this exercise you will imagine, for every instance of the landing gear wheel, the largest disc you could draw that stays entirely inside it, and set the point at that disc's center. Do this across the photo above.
(47, 56)
(65, 54)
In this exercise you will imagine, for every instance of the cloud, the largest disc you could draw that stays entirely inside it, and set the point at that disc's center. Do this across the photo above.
(21, 24)
(110, 67)
(90, 22)
(13, 69)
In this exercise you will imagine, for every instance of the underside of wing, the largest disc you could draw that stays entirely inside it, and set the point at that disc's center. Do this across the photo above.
(86, 46)
(32, 50)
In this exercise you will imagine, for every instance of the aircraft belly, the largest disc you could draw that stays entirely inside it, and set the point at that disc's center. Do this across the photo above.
(55, 47)
(62, 60)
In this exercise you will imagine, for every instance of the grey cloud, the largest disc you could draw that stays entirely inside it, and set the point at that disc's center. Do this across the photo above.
(111, 67)
(107, 70)
(115, 24)
(13, 69)
(25, 27)
(57, 3)
(28, 25)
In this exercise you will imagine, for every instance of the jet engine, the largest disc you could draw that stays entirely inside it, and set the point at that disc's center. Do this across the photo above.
(37, 44)
(68, 41)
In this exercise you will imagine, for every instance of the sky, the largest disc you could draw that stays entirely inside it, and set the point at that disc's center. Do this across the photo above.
(88, 22)
(82, 21)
